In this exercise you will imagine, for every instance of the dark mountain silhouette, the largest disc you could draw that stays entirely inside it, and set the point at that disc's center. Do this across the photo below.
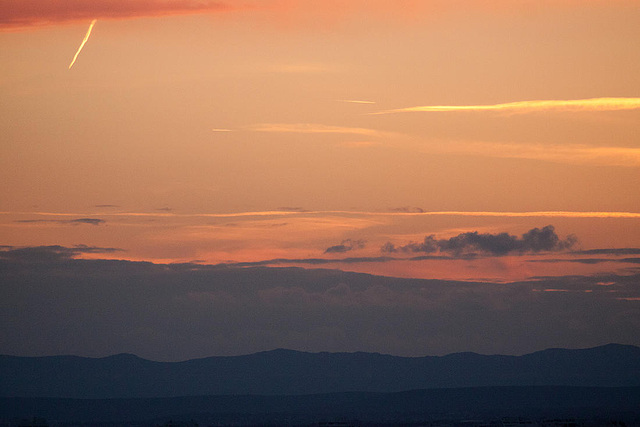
(287, 372)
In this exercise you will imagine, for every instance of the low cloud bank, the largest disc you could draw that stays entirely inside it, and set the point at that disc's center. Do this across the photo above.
(60, 305)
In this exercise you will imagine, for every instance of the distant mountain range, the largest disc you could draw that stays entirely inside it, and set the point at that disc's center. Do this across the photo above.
(287, 372)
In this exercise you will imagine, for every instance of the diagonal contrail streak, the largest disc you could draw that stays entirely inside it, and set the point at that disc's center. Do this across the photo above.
(84, 41)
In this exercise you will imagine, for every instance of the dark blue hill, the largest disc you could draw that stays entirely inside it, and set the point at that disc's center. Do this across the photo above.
(286, 372)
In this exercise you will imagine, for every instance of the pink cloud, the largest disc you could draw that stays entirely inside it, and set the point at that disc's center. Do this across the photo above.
(22, 14)
(16, 15)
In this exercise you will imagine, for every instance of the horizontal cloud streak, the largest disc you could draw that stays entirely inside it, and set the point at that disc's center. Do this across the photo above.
(574, 154)
(541, 214)
(32, 13)
(90, 221)
(589, 261)
(355, 101)
(613, 251)
(570, 153)
(318, 128)
(592, 104)
(401, 212)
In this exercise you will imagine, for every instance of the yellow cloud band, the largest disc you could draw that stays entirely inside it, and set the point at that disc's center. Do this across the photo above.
(593, 104)
(312, 128)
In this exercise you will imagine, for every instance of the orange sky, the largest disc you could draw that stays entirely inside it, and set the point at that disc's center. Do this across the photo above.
(176, 112)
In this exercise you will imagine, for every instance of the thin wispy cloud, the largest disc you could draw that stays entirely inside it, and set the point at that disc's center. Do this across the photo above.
(312, 128)
(408, 209)
(539, 214)
(292, 209)
(556, 153)
(355, 101)
(506, 214)
(521, 107)
(589, 261)
(89, 221)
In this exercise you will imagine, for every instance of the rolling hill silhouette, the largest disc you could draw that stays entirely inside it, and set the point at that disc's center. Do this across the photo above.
(287, 372)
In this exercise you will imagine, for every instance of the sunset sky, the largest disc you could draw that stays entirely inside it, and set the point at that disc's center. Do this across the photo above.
(477, 141)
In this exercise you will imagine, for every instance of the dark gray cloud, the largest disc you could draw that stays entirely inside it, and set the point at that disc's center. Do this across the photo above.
(90, 221)
(54, 253)
(84, 249)
(107, 206)
(165, 209)
(408, 209)
(59, 305)
(533, 241)
(346, 246)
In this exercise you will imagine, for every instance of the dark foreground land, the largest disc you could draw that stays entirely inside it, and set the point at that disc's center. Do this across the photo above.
(589, 387)
(541, 405)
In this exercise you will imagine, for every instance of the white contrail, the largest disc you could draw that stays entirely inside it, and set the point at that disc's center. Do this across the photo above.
(86, 37)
